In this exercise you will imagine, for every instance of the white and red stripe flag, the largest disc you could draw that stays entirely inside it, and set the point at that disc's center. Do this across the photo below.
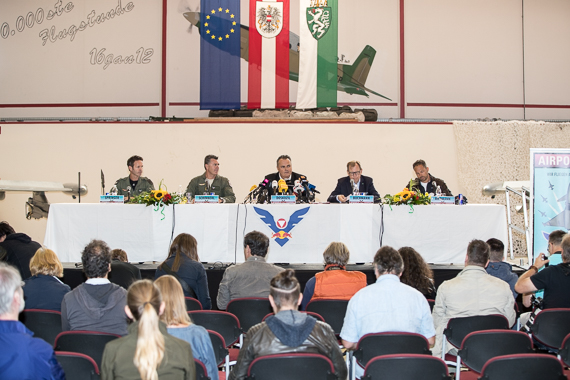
(268, 84)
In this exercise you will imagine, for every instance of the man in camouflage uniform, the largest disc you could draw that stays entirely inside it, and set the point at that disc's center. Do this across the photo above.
(211, 182)
(137, 183)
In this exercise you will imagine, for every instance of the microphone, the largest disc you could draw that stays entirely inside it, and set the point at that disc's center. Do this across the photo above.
(282, 186)
(313, 188)
(354, 187)
(274, 186)
(252, 188)
(128, 192)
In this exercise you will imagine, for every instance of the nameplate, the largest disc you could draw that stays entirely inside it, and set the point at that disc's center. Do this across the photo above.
(283, 199)
(111, 199)
(360, 199)
(206, 198)
(442, 200)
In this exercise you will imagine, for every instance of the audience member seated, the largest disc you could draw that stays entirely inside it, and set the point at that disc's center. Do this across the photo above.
(178, 324)
(288, 331)
(472, 292)
(497, 267)
(387, 305)
(184, 264)
(17, 249)
(122, 272)
(21, 356)
(251, 278)
(97, 304)
(417, 273)
(148, 352)
(44, 290)
(554, 280)
(335, 282)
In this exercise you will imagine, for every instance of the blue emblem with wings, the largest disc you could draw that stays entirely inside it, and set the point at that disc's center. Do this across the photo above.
(281, 227)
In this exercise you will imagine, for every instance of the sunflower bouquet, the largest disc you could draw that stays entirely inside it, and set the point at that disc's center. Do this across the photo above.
(407, 197)
(160, 197)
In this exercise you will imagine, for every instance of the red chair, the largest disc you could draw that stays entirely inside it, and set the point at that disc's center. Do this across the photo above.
(249, 311)
(45, 324)
(224, 323)
(406, 367)
(77, 366)
(221, 353)
(480, 346)
(192, 304)
(201, 371)
(90, 343)
(388, 343)
(458, 328)
(333, 311)
(551, 326)
(297, 366)
(523, 367)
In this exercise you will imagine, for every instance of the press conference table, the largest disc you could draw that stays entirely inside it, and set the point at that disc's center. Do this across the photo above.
(298, 233)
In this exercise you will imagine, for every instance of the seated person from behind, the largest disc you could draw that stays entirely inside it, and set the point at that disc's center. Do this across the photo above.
(97, 304)
(335, 282)
(288, 330)
(17, 249)
(211, 182)
(122, 272)
(355, 182)
(184, 264)
(22, 356)
(179, 324)
(386, 305)
(499, 268)
(472, 292)
(148, 352)
(417, 273)
(44, 290)
(134, 184)
(425, 182)
(251, 278)
(554, 280)
(284, 172)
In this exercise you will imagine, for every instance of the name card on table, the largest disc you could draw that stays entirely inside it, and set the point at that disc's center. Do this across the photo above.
(360, 199)
(206, 198)
(111, 199)
(444, 200)
(291, 199)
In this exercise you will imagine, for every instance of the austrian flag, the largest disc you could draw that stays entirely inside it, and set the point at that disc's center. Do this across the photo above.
(268, 85)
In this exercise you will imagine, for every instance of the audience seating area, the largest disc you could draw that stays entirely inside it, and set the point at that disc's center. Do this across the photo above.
(487, 348)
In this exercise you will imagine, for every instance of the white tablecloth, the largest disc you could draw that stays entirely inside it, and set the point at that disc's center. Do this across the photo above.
(439, 232)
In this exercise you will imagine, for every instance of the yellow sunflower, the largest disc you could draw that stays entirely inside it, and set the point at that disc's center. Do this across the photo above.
(158, 194)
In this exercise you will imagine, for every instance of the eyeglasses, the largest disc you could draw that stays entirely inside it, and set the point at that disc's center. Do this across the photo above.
(354, 173)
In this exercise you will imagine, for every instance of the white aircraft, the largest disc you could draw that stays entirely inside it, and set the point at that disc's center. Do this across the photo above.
(38, 205)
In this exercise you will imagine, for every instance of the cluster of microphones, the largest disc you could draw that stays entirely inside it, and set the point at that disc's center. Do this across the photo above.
(303, 191)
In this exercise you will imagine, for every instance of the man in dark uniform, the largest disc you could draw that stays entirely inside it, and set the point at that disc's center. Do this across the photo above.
(284, 172)
(345, 187)
(425, 182)
(211, 182)
(135, 182)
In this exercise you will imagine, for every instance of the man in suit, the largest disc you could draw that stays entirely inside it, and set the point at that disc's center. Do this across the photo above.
(355, 180)
(284, 172)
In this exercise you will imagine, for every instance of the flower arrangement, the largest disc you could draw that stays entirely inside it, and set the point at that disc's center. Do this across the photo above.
(159, 198)
(407, 197)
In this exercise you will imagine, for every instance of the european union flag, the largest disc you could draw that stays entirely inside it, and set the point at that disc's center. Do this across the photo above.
(220, 54)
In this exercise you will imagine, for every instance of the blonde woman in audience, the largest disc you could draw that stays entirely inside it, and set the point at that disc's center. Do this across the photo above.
(148, 352)
(44, 290)
(180, 325)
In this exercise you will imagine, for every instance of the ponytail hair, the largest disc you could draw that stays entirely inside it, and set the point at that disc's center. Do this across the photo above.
(144, 300)
(285, 289)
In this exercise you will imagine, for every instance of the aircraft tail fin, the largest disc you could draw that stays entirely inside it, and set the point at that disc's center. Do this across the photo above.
(358, 71)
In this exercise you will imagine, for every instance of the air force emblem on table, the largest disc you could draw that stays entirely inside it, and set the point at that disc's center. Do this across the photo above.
(269, 18)
(281, 228)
